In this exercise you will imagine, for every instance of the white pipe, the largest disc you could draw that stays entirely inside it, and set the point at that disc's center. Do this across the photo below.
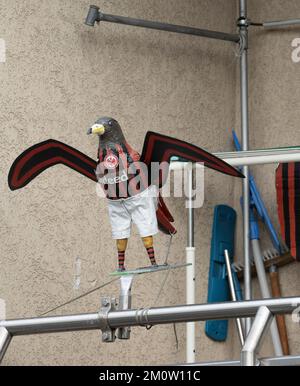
(190, 299)
(252, 157)
(190, 270)
(263, 159)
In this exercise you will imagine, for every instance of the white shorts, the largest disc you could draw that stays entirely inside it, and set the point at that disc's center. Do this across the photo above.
(139, 209)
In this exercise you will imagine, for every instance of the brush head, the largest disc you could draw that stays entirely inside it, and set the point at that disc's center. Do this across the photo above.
(270, 254)
(271, 258)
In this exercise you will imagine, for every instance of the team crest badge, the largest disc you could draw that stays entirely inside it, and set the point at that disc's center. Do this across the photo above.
(111, 161)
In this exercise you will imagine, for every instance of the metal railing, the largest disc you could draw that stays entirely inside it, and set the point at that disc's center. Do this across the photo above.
(108, 320)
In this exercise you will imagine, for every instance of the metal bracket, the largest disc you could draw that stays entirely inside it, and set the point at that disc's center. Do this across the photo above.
(243, 22)
(125, 303)
(107, 305)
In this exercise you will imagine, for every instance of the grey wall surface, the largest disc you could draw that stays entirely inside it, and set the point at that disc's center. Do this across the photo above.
(59, 76)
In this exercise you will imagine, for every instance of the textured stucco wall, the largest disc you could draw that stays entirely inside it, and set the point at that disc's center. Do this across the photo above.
(58, 78)
(274, 95)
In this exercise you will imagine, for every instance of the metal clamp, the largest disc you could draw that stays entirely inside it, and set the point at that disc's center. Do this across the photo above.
(107, 305)
(141, 317)
(243, 22)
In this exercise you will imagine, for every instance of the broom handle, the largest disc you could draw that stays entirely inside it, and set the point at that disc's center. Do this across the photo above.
(276, 292)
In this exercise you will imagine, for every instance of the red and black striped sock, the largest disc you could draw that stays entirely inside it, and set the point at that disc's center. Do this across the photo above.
(151, 255)
(121, 259)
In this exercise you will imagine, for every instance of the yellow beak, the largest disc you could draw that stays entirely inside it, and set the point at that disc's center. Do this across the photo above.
(96, 129)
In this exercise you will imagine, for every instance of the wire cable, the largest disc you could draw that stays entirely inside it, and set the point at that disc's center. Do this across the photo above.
(256, 24)
(162, 287)
(78, 297)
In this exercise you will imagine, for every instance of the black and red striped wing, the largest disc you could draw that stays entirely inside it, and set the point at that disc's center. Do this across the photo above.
(160, 148)
(164, 223)
(288, 203)
(42, 156)
(162, 205)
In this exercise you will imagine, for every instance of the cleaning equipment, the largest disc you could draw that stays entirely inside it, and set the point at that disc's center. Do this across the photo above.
(276, 292)
(271, 258)
(272, 261)
(288, 203)
(223, 231)
(257, 205)
(288, 192)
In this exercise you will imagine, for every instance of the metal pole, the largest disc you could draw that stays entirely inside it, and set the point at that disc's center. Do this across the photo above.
(255, 337)
(252, 157)
(190, 270)
(148, 316)
(290, 360)
(180, 314)
(5, 339)
(190, 231)
(243, 8)
(80, 322)
(169, 27)
(281, 23)
(94, 15)
(261, 157)
(243, 26)
(233, 295)
(265, 292)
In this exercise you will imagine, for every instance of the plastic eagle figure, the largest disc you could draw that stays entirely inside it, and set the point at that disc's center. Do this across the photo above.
(130, 181)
